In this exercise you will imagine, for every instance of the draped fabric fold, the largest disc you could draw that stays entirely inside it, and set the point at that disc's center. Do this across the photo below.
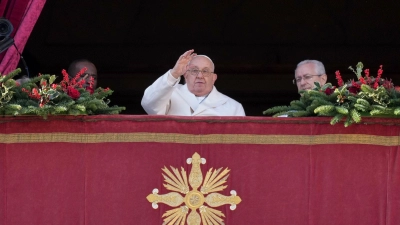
(23, 14)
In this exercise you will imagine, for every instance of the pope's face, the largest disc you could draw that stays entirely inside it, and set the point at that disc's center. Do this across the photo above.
(202, 83)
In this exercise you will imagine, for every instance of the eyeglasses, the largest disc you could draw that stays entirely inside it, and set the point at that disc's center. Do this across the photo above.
(306, 77)
(195, 72)
(90, 75)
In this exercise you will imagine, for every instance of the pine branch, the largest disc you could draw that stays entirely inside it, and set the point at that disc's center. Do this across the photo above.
(276, 109)
(336, 119)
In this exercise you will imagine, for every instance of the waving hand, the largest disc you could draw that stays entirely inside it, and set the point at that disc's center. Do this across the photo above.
(180, 66)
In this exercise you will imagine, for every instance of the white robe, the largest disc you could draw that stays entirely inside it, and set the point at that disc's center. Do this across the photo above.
(166, 97)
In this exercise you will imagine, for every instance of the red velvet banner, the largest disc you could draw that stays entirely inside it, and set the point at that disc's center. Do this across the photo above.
(100, 169)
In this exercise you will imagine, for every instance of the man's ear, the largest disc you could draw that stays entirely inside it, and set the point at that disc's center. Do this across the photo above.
(215, 77)
(324, 78)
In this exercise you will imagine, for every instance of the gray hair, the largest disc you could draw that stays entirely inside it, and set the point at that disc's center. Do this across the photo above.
(319, 67)
(23, 80)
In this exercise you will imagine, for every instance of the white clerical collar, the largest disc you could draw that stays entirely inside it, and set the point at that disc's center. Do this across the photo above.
(200, 99)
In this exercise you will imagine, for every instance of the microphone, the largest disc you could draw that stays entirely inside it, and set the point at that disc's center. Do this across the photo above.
(6, 29)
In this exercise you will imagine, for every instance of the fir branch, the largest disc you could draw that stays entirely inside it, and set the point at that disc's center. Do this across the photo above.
(299, 113)
(314, 93)
(297, 105)
(348, 121)
(363, 102)
(336, 119)
(396, 111)
(342, 110)
(276, 109)
(311, 108)
(394, 102)
(284, 113)
(324, 109)
(355, 115)
(367, 88)
(361, 107)
(320, 101)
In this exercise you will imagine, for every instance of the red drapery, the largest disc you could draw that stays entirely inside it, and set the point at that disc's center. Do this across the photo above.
(23, 14)
(99, 169)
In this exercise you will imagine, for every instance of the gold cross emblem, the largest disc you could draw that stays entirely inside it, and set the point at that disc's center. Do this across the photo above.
(194, 199)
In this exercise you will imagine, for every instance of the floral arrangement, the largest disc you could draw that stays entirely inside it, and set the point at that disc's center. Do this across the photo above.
(367, 96)
(42, 96)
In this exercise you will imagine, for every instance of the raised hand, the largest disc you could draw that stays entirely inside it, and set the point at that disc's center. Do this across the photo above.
(180, 66)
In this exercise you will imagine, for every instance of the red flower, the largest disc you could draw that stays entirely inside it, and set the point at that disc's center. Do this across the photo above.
(78, 76)
(366, 71)
(354, 89)
(387, 84)
(378, 78)
(329, 91)
(91, 82)
(73, 93)
(80, 83)
(354, 84)
(65, 76)
(362, 80)
(54, 86)
(397, 88)
(339, 78)
(90, 90)
(26, 91)
(35, 94)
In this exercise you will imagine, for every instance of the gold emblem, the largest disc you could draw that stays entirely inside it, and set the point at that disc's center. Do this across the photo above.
(194, 199)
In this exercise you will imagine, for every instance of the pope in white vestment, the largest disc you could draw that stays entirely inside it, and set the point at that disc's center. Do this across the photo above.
(198, 97)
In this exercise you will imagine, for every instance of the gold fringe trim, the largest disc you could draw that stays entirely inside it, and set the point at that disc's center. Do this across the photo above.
(201, 139)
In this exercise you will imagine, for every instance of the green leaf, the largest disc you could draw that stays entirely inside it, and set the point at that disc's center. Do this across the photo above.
(325, 86)
(52, 79)
(359, 66)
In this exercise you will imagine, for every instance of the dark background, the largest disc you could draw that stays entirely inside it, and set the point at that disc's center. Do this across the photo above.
(255, 45)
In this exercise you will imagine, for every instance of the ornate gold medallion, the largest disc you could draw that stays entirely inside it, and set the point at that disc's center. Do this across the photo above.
(194, 199)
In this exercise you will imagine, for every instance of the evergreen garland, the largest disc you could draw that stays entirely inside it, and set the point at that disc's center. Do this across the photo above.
(41, 96)
(369, 96)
